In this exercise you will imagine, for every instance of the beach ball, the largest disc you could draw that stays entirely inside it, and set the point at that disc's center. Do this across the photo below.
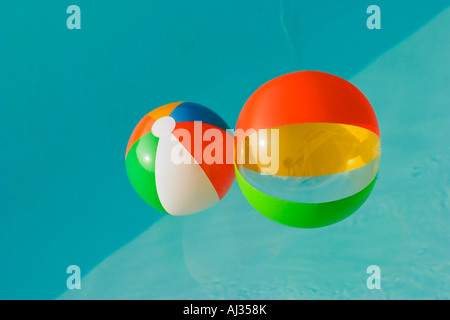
(179, 158)
(307, 149)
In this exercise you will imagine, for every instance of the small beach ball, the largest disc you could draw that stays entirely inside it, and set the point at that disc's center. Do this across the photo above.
(179, 158)
(307, 149)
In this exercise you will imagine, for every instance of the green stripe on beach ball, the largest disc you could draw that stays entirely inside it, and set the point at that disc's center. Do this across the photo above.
(303, 215)
(140, 166)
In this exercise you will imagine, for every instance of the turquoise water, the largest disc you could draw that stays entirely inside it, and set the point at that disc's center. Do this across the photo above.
(69, 100)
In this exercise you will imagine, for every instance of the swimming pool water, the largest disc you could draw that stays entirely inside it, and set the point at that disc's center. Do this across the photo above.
(69, 100)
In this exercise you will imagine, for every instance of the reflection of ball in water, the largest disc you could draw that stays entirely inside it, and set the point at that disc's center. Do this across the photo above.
(176, 158)
(307, 149)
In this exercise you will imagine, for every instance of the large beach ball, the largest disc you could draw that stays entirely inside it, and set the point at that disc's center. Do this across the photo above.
(307, 149)
(179, 158)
